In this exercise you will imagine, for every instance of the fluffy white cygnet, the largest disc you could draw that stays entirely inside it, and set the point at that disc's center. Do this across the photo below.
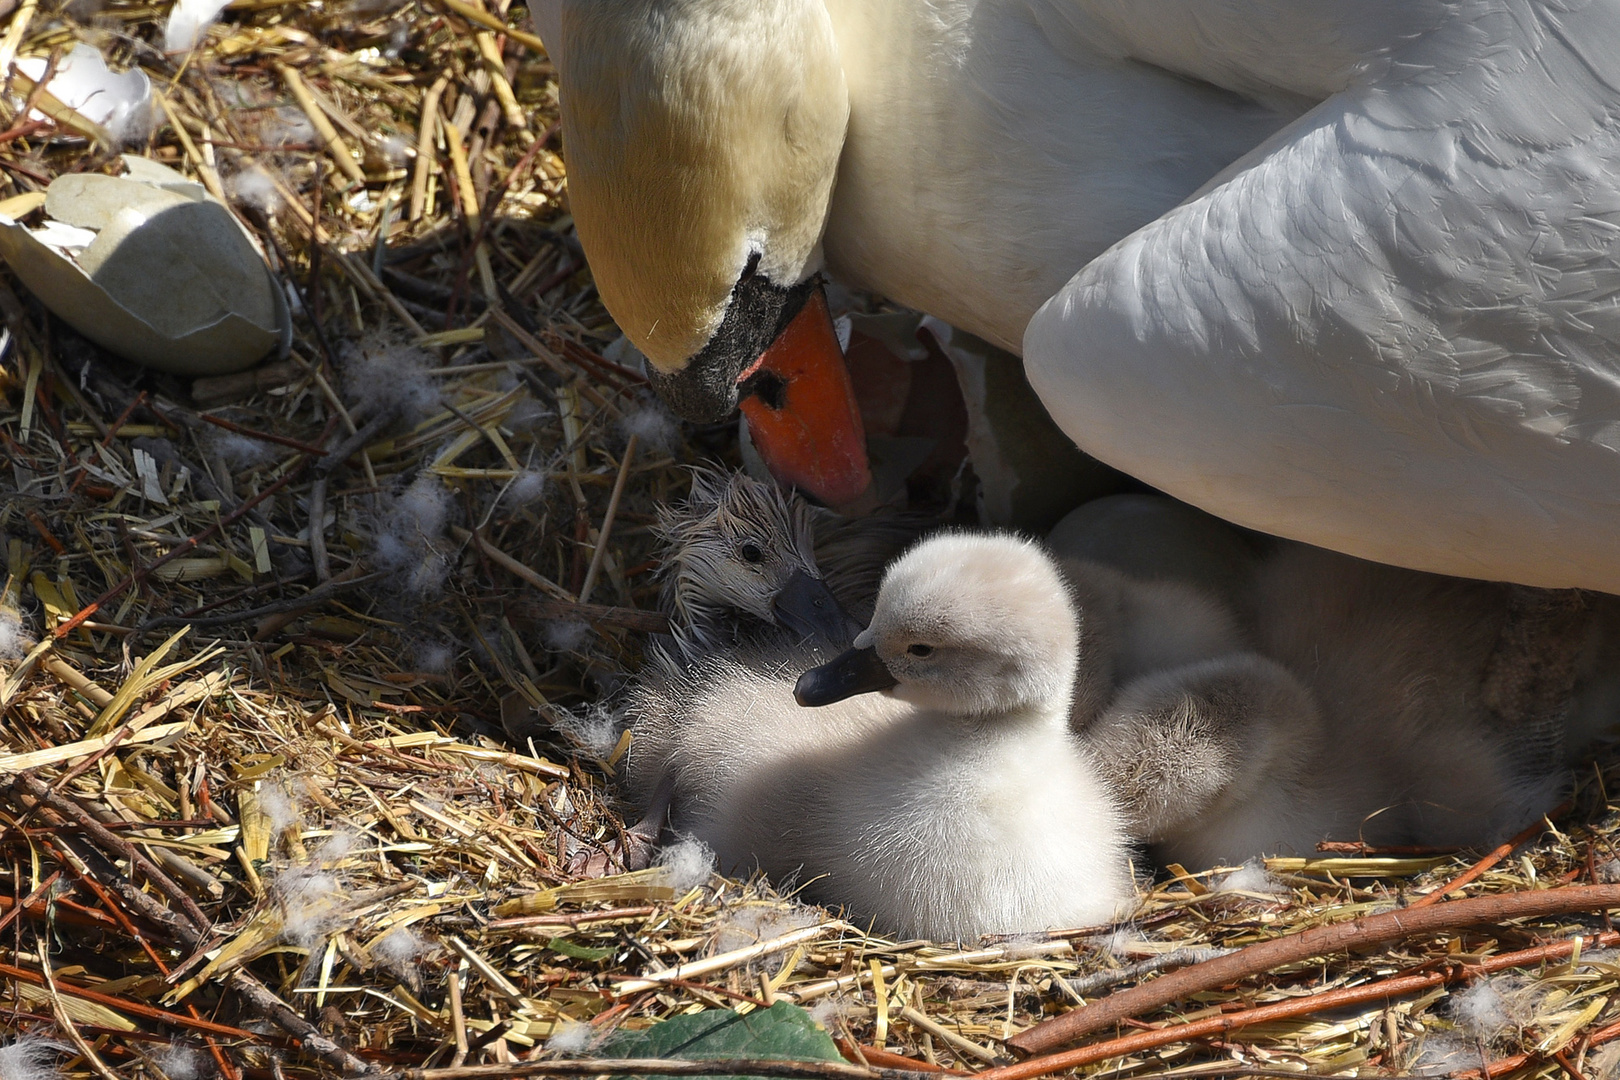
(954, 804)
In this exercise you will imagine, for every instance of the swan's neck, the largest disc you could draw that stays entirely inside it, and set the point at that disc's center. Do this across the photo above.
(1040, 152)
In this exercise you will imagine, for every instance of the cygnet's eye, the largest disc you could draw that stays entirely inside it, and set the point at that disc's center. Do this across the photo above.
(750, 552)
(919, 649)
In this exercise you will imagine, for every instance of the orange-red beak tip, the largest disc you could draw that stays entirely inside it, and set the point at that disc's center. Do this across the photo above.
(802, 417)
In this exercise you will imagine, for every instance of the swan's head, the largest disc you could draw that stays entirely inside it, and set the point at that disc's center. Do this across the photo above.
(702, 139)
(740, 545)
(972, 624)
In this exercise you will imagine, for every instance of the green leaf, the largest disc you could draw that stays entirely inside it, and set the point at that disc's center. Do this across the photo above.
(578, 952)
(784, 1032)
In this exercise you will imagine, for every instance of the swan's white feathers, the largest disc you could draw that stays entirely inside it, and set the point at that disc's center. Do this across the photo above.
(1410, 280)
(1038, 153)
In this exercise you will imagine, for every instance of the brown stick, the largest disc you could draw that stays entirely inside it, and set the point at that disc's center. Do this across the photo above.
(1284, 1010)
(1359, 933)
(136, 1008)
(262, 998)
(259, 996)
(889, 1059)
(107, 839)
(263, 436)
(1473, 873)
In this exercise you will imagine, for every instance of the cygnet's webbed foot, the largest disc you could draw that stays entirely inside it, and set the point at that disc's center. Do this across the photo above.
(634, 849)
(1175, 744)
(1529, 679)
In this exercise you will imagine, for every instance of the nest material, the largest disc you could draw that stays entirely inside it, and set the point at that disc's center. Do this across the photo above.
(288, 663)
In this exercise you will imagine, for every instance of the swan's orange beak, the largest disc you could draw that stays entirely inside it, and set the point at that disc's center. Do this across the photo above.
(801, 410)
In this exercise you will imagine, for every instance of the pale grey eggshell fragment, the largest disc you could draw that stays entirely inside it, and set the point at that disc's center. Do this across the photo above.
(171, 280)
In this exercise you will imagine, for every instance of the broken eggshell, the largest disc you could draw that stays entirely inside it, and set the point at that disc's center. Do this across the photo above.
(151, 267)
(118, 101)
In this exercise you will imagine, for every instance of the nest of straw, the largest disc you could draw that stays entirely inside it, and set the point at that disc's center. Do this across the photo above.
(296, 669)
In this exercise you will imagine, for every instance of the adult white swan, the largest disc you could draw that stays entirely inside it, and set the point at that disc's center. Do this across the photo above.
(1346, 272)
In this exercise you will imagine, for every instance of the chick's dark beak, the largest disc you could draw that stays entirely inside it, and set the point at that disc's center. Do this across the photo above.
(808, 608)
(858, 671)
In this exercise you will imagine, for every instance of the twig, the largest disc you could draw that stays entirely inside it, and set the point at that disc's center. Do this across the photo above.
(478, 17)
(582, 918)
(64, 1021)
(539, 351)
(890, 1060)
(18, 907)
(336, 148)
(507, 562)
(1474, 872)
(107, 839)
(317, 530)
(1365, 932)
(1102, 980)
(263, 436)
(607, 520)
(362, 435)
(1282, 1010)
(722, 961)
(310, 599)
(138, 1008)
(939, 1031)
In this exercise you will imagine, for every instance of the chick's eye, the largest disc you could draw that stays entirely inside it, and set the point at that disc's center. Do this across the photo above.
(751, 553)
(920, 649)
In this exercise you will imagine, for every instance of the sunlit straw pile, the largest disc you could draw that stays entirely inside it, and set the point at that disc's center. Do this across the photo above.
(303, 762)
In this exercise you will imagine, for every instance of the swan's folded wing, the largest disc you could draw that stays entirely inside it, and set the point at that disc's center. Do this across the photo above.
(1396, 332)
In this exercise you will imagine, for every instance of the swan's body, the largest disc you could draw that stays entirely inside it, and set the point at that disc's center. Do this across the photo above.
(958, 805)
(1344, 273)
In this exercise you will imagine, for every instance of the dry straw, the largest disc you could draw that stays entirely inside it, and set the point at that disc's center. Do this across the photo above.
(287, 658)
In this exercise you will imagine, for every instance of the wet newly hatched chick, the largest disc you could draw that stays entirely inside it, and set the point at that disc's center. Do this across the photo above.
(739, 560)
(957, 803)
(741, 556)
(1367, 717)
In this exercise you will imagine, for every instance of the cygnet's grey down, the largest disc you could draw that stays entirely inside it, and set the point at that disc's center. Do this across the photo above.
(955, 803)
(1366, 710)
(739, 559)
(741, 556)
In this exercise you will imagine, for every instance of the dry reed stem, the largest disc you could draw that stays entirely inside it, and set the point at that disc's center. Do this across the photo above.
(349, 732)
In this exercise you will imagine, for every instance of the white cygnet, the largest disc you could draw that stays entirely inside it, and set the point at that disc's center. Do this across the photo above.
(955, 803)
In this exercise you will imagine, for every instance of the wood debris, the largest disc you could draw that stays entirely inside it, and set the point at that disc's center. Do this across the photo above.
(296, 668)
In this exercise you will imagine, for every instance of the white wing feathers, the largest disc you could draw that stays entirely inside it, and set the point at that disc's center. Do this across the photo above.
(1413, 296)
